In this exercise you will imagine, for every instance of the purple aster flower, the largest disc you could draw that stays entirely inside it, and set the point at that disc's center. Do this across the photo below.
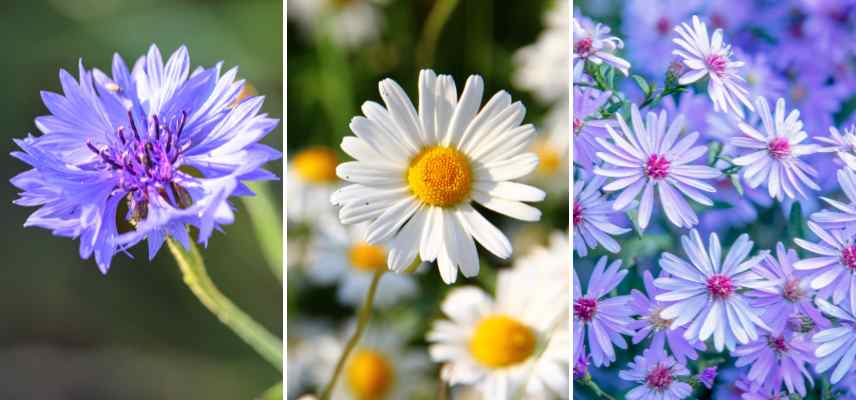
(810, 93)
(836, 345)
(658, 376)
(742, 210)
(649, 41)
(775, 154)
(592, 43)
(650, 155)
(843, 145)
(835, 266)
(651, 323)
(605, 319)
(142, 154)
(587, 126)
(761, 79)
(842, 214)
(581, 366)
(733, 384)
(695, 110)
(790, 297)
(709, 292)
(709, 57)
(827, 23)
(707, 376)
(777, 358)
(761, 393)
(591, 218)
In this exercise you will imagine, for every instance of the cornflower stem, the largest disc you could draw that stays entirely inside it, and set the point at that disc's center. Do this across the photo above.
(362, 321)
(267, 224)
(589, 383)
(196, 278)
(437, 19)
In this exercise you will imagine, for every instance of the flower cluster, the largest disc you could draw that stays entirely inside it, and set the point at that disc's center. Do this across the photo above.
(746, 157)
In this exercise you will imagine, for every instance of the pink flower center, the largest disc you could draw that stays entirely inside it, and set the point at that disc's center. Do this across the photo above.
(848, 257)
(583, 47)
(578, 126)
(779, 148)
(791, 291)
(720, 286)
(578, 213)
(777, 344)
(584, 309)
(657, 166)
(717, 20)
(663, 25)
(660, 378)
(716, 63)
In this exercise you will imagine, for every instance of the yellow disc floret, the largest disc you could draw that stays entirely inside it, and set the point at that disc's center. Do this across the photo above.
(316, 165)
(367, 257)
(370, 375)
(549, 160)
(440, 176)
(500, 341)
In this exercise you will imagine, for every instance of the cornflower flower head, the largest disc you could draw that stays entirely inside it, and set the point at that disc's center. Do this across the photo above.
(591, 213)
(658, 376)
(142, 154)
(592, 43)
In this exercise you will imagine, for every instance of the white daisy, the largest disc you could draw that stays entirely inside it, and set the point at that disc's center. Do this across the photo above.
(418, 172)
(552, 151)
(550, 264)
(496, 344)
(650, 156)
(351, 23)
(592, 218)
(380, 367)
(844, 146)
(542, 67)
(775, 154)
(709, 292)
(310, 181)
(712, 58)
(339, 254)
(592, 43)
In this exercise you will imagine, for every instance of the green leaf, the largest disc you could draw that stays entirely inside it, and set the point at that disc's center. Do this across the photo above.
(735, 180)
(643, 84)
(274, 393)
(713, 153)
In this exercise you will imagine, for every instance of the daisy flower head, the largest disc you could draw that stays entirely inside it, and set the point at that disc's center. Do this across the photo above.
(709, 57)
(604, 319)
(651, 156)
(836, 345)
(587, 126)
(593, 43)
(311, 179)
(417, 173)
(778, 358)
(542, 67)
(380, 366)
(658, 375)
(551, 147)
(843, 145)
(790, 297)
(834, 267)
(651, 324)
(493, 344)
(142, 154)
(591, 217)
(338, 254)
(774, 155)
(708, 293)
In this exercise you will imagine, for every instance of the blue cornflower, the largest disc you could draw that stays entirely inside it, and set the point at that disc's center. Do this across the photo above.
(142, 154)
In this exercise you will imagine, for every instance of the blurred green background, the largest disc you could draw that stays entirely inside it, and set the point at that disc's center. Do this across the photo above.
(66, 330)
(327, 84)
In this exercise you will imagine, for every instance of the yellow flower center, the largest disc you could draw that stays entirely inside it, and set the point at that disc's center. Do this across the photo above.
(370, 375)
(440, 176)
(500, 341)
(316, 165)
(367, 257)
(549, 160)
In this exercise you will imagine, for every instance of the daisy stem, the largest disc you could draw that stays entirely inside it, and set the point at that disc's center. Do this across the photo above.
(196, 278)
(362, 321)
(267, 223)
(433, 27)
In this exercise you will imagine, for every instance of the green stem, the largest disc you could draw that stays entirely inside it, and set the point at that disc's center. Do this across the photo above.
(196, 278)
(274, 393)
(437, 18)
(589, 383)
(268, 225)
(362, 321)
